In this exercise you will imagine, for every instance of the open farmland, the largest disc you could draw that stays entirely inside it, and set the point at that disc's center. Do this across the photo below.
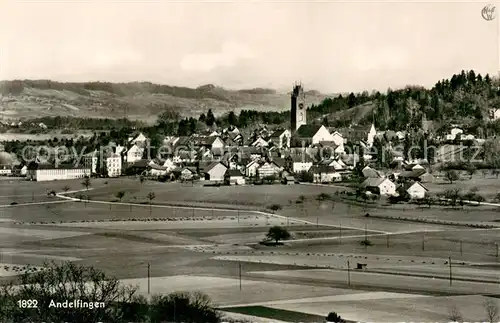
(186, 237)
(488, 185)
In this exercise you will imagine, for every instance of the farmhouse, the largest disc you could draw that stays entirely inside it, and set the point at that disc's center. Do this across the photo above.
(382, 186)
(268, 169)
(415, 190)
(234, 177)
(187, 173)
(157, 170)
(51, 172)
(299, 162)
(135, 153)
(325, 174)
(420, 175)
(215, 172)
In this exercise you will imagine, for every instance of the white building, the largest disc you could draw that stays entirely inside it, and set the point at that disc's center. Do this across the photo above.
(139, 139)
(259, 142)
(314, 134)
(454, 133)
(494, 114)
(371, 136)
(251, 168)
(114, 165)
(135, 153)
(268, 169)
(281, 138)
(5, 170)
(382, 186)
(45, 172)
(416, 190)
(300, 163)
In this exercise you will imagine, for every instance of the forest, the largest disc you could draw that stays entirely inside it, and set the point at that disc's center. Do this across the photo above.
(465, 99)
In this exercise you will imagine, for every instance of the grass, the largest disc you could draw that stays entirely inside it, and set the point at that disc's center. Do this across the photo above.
(276, 314)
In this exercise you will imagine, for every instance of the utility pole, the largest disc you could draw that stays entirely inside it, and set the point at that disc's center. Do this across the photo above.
(461, 250)
(239, 267)
(423, 242)
(348, 273)
(238, 216)
(149, 278)
(366, 238)
(340, 232)
(449, 261)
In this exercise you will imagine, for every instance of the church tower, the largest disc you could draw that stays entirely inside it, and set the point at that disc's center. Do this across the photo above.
(298, 111)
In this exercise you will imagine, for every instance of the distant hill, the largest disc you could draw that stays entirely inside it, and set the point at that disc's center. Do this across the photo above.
(139, 100)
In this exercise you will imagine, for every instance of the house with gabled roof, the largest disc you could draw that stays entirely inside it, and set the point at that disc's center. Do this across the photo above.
(415, 190)
(259, 142)
(299, 162)
(234, 177)
(215, 172)
(251, 168)
(381, 186)
(313, 134)
(325, 174)
(135, 153)
(268, 168)
(281, 138)
(369, 172)
(139, 138)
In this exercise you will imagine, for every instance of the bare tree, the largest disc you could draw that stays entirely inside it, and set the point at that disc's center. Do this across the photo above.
(151, 196)
(454, 314)
(66, 189)
(120, 195)
(492, 311)
(86, 182)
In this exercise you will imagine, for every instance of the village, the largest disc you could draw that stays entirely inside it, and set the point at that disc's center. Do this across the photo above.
(306, 153)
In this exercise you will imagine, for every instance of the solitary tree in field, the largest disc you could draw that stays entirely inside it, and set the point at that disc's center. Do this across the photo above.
(141, 179)
(492, 311)
(86, 182)
(454, 314)
(275, 207)
(471, 170)
(66, 188)
(451, 175)
(151, 196)
(120, 195)
(278, 233)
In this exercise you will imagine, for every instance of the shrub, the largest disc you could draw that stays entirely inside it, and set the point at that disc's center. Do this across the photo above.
(334, 317)
(366, 243)
(278, 233)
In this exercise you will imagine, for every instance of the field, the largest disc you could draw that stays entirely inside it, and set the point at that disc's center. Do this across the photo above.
(198, 238)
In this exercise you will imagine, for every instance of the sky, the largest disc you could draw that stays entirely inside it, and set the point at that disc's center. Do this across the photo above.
(330, 46)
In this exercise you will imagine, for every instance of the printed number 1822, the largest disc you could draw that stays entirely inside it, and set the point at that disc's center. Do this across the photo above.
(27, 303)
